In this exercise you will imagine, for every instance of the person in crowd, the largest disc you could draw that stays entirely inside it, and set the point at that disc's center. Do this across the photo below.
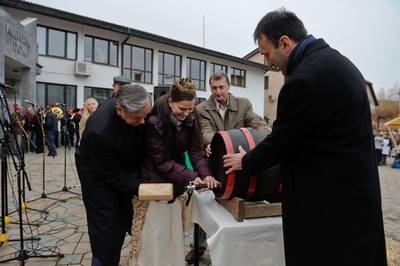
(51, 131)
(108, 160)
(378, 140)
(385, 149)
(322, 138)
(220, 112)
(17, 127)
(39, 130)
(76, 118)
(171, 129)
(119, 81)
(89, 107)
(29, 128)
(68, 127)
(60, 132)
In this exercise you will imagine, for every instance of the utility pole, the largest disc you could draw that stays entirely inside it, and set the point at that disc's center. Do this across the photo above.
(204, 41)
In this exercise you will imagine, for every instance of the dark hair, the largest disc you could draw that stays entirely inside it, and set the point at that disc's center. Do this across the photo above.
(280, 22)
(219, 75)
(182, 90)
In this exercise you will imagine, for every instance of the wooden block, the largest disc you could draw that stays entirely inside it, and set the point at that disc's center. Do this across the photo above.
(241, 209)
(262, 209)
(156, 191)
(234, 206)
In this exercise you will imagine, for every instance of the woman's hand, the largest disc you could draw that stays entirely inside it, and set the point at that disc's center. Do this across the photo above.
(209, 181)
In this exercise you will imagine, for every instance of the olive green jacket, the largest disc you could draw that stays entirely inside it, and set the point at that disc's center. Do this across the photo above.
(239, 114)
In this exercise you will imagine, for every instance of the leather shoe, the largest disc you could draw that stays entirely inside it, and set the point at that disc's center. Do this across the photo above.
(190, 256)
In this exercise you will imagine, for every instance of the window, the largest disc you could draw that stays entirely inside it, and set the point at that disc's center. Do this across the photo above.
(47, 94)
(54, 42)
(101, 51)
(195, 70)
(169, 68)
(266, 82)
(100, 94)
(238, 77)
(138, 63)
(218, 67)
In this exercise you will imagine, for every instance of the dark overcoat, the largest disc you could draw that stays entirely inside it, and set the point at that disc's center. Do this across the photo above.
(322, 138)
(108, 162)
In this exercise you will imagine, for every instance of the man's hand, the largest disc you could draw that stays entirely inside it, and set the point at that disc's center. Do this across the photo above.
(234, 161)
(208, 150)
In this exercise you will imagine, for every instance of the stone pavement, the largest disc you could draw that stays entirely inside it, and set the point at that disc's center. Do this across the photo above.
(390, 189)
(64, 229)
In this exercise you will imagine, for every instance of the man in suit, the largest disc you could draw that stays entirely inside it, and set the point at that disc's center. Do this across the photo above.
(332, 212)
(108, 161)
(51, 131)
(222, 111)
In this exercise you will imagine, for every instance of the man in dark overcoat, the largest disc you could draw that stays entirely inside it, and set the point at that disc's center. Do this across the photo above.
(108, 160)
(322, 138)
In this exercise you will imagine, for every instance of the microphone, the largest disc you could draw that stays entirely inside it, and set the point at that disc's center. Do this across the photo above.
(29, 102)
(5, 86)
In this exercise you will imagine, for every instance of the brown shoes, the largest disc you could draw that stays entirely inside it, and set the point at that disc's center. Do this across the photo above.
(190, 256)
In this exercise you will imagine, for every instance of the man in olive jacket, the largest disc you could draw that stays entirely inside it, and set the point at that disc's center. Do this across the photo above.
(322, 138)
(223, 111)
(108, 161)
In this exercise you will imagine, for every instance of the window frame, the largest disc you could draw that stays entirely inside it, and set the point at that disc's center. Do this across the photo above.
(135, 69)
(163, 66)
(91, 92)
(216, 64)
(109, 41)
(188, 67)
(65, 42)
(46, 88)
(244, 77)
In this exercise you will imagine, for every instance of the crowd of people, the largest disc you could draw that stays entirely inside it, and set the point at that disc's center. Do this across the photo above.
(53, 126)
(332, 213)
(384, 147)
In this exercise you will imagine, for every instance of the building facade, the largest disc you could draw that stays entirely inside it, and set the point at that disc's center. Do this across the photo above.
(80, 56)
(273, 82)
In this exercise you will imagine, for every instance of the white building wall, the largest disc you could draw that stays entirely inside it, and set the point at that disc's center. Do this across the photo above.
(62, 71)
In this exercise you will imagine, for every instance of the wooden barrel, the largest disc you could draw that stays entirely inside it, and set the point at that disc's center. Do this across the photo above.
(263, 186)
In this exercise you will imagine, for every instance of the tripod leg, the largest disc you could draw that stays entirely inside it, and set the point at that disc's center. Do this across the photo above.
(4, 215)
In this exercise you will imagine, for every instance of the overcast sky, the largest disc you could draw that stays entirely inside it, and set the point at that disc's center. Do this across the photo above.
(366, 31)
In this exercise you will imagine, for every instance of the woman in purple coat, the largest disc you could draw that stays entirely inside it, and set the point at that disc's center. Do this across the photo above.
(171, 129)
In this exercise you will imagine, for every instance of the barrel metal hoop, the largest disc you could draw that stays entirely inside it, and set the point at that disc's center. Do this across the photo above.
(230, 183)
(253, 179)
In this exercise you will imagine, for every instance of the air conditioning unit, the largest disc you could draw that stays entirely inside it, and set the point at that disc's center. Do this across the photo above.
(82, 68)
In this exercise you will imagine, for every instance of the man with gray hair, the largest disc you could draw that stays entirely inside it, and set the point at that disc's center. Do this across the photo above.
(107, 161)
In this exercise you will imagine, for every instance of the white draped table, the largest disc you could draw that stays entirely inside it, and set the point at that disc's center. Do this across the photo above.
(253, 242)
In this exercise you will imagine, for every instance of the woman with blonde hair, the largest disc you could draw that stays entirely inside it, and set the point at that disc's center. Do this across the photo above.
(172, 128)
(89, 108)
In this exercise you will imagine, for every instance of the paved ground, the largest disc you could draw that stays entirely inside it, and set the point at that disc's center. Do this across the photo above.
(64, 230)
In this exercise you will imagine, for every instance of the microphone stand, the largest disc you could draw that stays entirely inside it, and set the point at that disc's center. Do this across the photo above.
(25, 175)
(22, 253)
(40, 122)
(66, 141)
